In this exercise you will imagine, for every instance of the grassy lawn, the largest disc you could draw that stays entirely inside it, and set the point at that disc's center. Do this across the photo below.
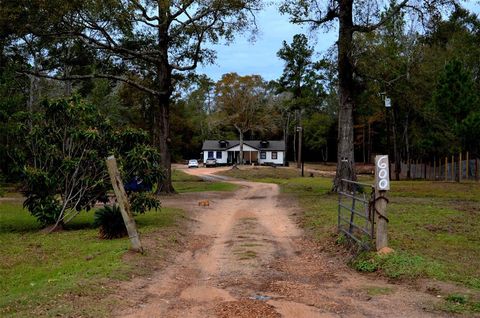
(64, 273)
(183, 182)
(70, 273)
(434, 226)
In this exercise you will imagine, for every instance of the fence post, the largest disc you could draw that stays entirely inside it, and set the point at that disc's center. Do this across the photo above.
(476, 169)
(434, 169)
(453, 168)
(468, 165)
(123, 204)
(446, 168)
(460, 167)
(382, 185)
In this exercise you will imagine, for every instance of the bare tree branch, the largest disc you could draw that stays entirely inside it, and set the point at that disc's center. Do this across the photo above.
(90, 76)
(329, 16)
(393, 12)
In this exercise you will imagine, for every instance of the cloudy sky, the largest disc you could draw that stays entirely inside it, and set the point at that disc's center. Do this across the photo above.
(260, 57)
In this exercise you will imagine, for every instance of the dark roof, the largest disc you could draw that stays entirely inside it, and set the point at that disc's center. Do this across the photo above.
(273, 145)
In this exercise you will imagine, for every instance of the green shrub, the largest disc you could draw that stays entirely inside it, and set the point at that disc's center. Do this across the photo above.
(141, 202)
(110, 222)
(46, 209)
(65, 173)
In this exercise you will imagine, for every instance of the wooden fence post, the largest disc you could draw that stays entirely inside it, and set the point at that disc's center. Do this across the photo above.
(468, 165)
(453, 168)
(460, 167)
(434, 169)
(123, 204)
(476, 169)
(382, 185)
(446, 168)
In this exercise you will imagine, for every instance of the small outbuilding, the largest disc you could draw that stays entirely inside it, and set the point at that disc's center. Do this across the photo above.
(227, 152)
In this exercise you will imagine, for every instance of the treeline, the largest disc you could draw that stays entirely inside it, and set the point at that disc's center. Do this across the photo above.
(136, 60)
(431, 79)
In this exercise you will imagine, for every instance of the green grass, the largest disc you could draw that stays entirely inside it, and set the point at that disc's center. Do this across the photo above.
(434, 226)
(460, 304)
(376, 290)
(67, 273)
(41, 273)
(183, 182)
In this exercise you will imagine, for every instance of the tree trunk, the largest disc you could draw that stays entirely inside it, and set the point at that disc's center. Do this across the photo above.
(396, 152)
(407, 149)
(161, 115)
(363, 144)
(345, 154)
(369, 149)
(295, 138)
(161, 133)
(300, 140)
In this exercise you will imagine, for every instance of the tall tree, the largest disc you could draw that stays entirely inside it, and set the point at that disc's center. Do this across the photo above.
(352, 16)
(143, 43)
(241, 102)
(297, 78)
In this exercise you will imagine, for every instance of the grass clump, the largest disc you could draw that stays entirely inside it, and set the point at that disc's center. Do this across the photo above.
(457, 298)
(460, 304)
(366, 263)
(376, 290)
(397, 265)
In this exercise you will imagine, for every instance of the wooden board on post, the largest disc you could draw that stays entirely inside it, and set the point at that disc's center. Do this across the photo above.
(123, 204)
(382, 185)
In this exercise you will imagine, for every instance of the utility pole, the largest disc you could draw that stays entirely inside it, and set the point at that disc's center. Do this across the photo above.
(300, 137)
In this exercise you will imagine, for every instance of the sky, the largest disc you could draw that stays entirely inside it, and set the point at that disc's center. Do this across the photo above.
(260, 57)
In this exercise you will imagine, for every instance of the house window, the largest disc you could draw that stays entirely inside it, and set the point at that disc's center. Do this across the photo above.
(263, 155)
(210, 154)
(219, 155)
(274, 155)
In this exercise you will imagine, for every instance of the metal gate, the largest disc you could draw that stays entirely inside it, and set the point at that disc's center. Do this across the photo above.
(356, 212)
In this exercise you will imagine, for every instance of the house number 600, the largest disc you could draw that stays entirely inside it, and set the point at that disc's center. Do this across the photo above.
(383, 183)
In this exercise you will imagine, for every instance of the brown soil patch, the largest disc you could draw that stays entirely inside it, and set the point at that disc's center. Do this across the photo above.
(246, 309)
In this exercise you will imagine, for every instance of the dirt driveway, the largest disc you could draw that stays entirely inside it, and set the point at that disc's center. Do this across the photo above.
(246, 257)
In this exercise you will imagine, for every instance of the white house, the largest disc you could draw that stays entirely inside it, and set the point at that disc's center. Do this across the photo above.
(254, 151)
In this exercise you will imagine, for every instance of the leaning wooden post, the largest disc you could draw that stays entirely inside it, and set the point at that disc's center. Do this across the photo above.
(123, 204)
(382, 185)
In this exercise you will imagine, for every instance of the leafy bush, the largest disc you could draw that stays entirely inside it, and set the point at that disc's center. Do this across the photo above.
(46, 209)
(109, 220)
(141, 202)
(67, 142)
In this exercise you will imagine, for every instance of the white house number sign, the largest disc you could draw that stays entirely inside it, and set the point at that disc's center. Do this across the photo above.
(381, 173)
